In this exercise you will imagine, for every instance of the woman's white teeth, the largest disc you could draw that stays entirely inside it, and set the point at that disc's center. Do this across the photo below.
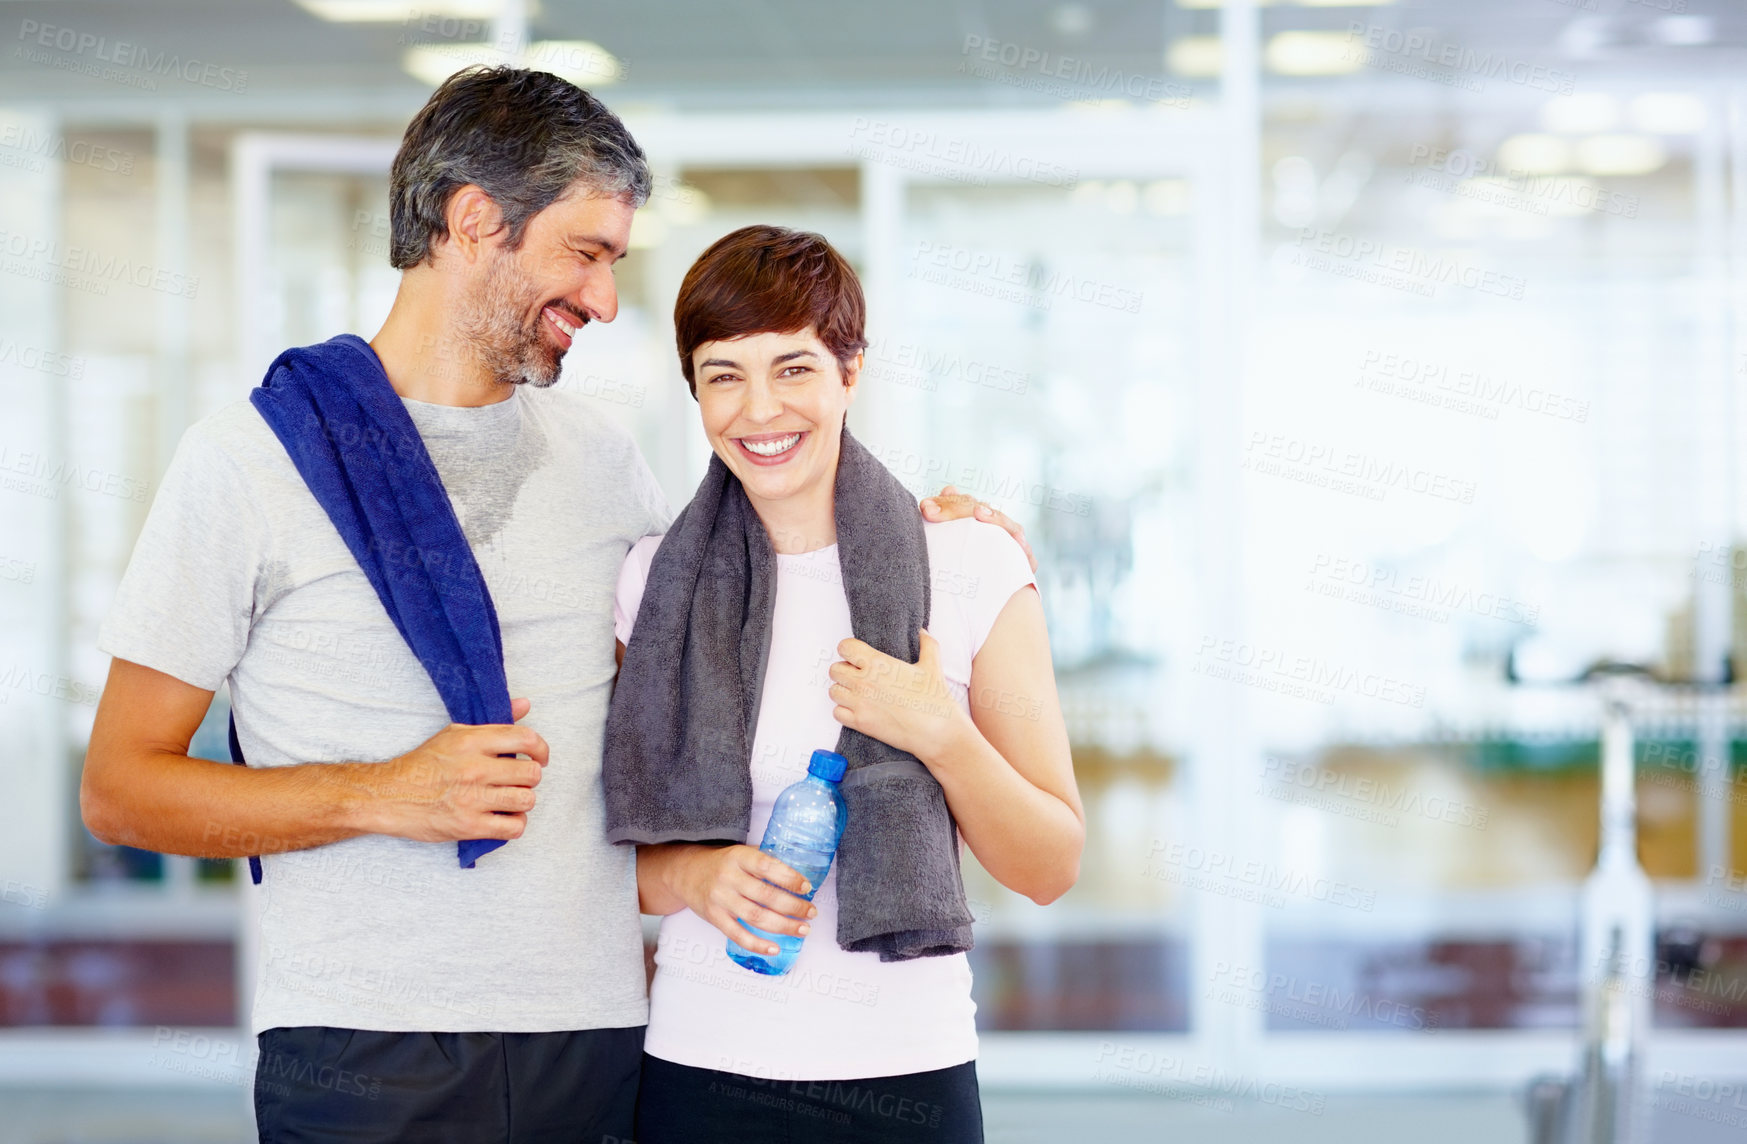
(773, 447)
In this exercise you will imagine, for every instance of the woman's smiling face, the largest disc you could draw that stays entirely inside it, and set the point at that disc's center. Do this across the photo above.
(772, 407)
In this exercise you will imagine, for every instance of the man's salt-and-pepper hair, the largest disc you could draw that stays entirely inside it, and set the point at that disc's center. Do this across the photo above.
(524, 137)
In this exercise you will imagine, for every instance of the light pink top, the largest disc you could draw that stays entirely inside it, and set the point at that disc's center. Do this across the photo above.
(835, 1015)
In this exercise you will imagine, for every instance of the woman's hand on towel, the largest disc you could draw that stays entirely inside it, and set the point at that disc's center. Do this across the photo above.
(726, 885)
(904, 704)
(459, 783)
(950, 504)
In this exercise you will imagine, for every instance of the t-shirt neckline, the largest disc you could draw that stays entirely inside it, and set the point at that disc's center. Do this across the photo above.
(811, 554)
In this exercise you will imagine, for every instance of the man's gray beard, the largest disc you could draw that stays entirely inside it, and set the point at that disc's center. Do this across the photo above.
(511, 352)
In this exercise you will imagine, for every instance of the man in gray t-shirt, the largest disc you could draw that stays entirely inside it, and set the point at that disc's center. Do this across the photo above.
(400, 997)
(238, 574)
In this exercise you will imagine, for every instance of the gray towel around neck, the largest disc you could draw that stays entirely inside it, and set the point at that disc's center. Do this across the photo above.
(677, 760)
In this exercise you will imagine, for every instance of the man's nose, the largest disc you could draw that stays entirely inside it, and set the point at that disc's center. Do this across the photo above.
(599, 297)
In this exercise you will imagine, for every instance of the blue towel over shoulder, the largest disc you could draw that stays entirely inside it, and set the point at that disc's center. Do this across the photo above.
(352, 441)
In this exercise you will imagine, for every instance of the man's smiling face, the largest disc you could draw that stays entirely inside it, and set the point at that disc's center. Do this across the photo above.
(529, 303)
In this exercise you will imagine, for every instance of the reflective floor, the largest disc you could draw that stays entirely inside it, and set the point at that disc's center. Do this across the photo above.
(86, 1117)
(109, 1117)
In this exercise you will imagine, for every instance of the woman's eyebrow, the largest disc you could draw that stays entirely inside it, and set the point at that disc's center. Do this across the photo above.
(777, 360)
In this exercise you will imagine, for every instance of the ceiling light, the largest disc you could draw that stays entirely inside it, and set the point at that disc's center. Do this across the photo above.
(1684, 31)
(1166, 197)
(1578, 114)
(1087, 192)
(398, 11)
(1198, 57)
(1071, 19)
(434, 63)
(1312, 53)
(1587, 37)
(1534, 154)
(1667, 113)
(581, 62)
(1299, 3)
(1620, 154)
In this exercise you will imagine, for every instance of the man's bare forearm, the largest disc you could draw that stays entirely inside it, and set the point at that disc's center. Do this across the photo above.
(175, 804)
(141, 788)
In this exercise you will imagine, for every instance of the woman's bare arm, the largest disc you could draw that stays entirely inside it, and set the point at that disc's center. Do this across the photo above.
(1006, 768)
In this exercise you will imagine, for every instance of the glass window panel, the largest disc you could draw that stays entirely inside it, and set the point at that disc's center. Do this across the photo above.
(1040, 359)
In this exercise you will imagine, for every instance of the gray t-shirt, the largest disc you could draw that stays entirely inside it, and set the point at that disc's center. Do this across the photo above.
(240, 575)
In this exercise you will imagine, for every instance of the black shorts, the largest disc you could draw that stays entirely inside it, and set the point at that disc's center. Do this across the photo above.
(678, 1104)
(315, 1083)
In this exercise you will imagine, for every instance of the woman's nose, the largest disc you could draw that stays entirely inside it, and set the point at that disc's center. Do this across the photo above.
(762, 402)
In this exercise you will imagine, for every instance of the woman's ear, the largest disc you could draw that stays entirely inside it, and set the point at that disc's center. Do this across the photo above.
(852, 376)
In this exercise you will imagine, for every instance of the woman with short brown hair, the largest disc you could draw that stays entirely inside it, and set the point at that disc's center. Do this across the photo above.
(798, 601)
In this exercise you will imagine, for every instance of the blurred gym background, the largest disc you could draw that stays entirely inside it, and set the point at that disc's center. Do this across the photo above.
(1368, 378)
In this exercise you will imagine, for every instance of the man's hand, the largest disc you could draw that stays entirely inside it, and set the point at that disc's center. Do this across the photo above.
(455, 785)
(950, 504)
(141, 788)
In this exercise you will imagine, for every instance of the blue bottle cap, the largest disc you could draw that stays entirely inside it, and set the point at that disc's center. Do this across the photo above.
(828, 765)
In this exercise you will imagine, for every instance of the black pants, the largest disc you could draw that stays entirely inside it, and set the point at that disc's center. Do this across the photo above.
(317, 1084)
(677, 1104)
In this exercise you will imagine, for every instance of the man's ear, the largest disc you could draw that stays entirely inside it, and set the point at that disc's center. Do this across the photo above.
(474, 222)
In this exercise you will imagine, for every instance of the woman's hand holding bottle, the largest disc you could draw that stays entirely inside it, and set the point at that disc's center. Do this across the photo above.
(727, 885)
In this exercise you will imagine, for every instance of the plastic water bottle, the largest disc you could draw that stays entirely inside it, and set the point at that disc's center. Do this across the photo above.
(805, 826)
